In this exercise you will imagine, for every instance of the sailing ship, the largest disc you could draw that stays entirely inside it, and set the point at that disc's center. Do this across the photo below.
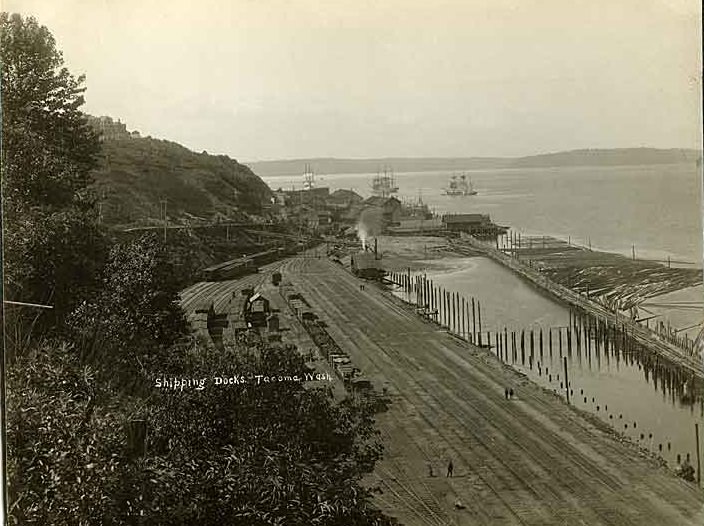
(308, 178)
(460, 186)
(384, 184)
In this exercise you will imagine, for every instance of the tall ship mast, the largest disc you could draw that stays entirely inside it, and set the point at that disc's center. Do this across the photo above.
(460, 186)
(384, 184)
(308, 178)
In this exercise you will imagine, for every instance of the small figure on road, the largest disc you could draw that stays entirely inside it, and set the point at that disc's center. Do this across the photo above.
(506, 393)
(431, 471)
(510, 393)
(450, 469)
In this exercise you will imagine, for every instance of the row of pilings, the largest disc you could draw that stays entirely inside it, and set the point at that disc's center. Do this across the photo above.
(460, 315)
(512, 245)
(586, 340)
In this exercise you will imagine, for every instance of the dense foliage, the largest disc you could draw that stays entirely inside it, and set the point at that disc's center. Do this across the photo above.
(81, 379)
(133, 316)
(52, 249)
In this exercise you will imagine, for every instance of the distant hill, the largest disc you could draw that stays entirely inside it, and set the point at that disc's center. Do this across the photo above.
(596, 157)
(137, 173)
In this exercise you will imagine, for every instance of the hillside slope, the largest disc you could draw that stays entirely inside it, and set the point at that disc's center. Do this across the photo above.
(137, 174)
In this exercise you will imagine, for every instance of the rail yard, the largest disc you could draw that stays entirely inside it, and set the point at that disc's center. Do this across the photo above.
(528, 460)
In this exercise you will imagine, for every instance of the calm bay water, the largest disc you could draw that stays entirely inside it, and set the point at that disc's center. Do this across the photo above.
(619, 388)
(657, 209)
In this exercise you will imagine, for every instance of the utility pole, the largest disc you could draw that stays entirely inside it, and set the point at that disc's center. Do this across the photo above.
(163, 204)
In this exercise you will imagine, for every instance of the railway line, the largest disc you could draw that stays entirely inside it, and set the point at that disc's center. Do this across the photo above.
(533, 460)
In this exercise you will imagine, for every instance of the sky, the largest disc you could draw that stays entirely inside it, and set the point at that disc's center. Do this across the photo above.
(285, 79)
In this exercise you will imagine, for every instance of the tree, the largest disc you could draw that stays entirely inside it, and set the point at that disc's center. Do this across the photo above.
(64, 439)
(53, 248)
(49, 149)
(252, 453)
(134, 316)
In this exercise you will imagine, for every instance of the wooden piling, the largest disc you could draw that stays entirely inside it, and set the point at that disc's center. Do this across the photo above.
(441, 306)
(567, 383)
(446, 307)
(464, 334)
(468, 322)
(458, 299)
(541, 344)
(474, 323)
(699, 465)
(479, 315)
(457, 316)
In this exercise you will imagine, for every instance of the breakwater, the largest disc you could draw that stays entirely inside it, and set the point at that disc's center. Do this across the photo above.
(685, 357)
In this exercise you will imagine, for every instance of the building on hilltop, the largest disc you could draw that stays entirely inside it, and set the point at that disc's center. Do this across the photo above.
(110, 130)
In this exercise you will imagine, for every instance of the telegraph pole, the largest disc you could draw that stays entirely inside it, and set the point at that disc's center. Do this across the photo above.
(163, 203)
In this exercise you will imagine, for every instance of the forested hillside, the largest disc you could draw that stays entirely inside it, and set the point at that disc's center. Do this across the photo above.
(137, 174)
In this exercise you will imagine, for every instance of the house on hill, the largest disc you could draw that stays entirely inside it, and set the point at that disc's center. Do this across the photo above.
(108, 129)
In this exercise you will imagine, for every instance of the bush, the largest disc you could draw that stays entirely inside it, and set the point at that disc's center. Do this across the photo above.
(64, 441)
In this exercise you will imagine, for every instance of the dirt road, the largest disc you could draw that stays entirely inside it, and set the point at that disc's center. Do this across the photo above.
(531, 460)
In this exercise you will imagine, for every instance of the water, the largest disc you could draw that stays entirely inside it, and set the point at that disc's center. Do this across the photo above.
(656, 208)
(621, 388)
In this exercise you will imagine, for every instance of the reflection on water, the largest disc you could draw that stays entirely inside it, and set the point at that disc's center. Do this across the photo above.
(634, 391)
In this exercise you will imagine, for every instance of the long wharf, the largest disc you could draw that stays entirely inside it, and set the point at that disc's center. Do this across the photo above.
(641, 335)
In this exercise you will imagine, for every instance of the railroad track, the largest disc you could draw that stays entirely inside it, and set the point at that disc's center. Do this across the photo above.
(526, 470)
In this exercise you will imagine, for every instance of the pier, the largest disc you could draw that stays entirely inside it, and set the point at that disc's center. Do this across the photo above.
(641, 335)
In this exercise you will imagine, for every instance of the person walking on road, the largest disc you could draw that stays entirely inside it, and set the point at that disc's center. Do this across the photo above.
(450, 469)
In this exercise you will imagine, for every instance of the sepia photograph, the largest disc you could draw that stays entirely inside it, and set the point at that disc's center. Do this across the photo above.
(352, 263)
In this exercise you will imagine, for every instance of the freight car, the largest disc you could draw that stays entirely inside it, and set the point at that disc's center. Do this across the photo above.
(242, 266)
